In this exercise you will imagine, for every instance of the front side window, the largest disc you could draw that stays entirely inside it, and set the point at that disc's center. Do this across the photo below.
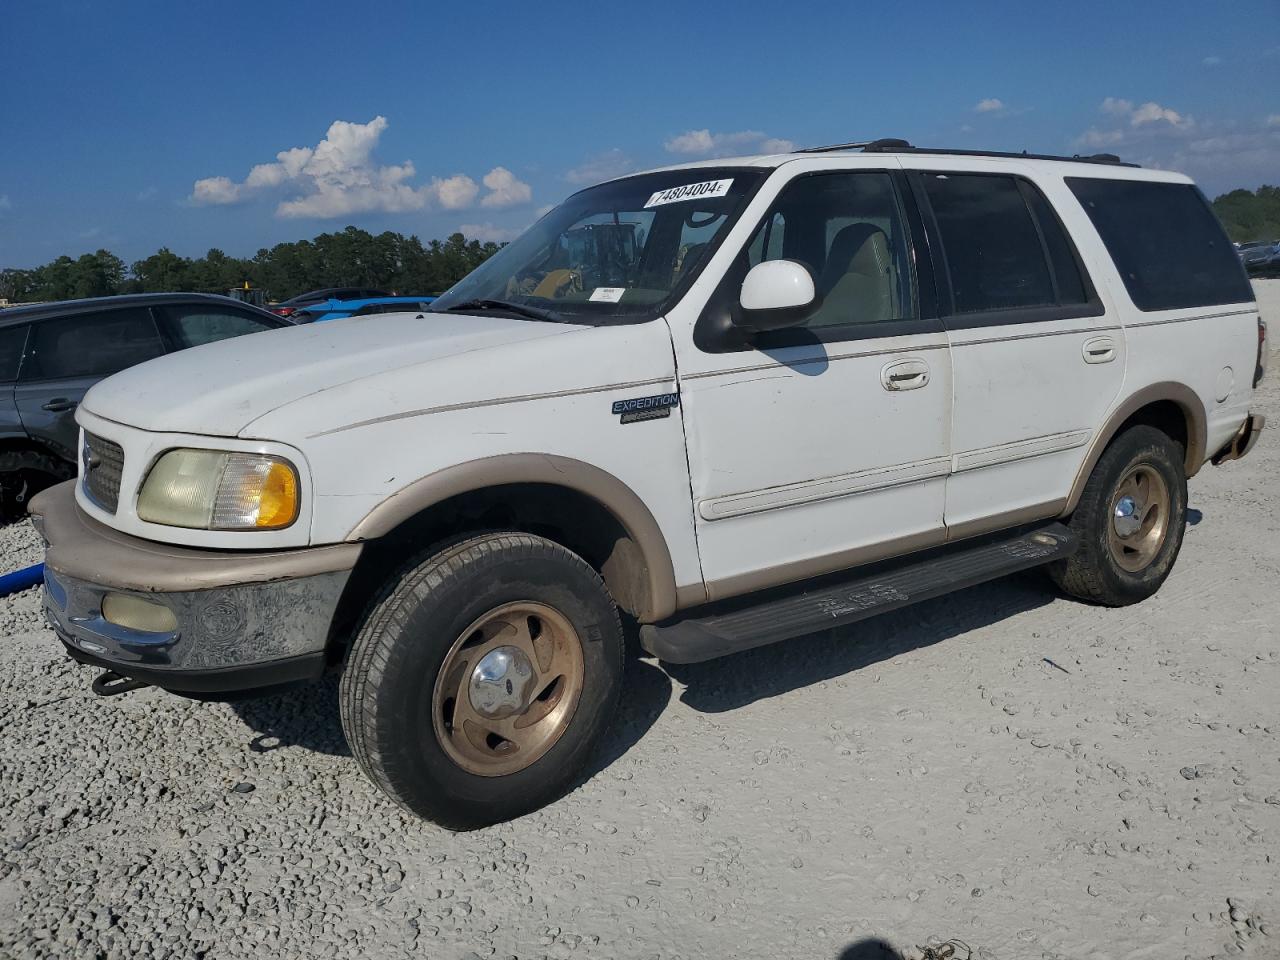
(624, 249)
(91, 344)
(192, 326)
(1169, 248)
(849, 231)
(994, 256)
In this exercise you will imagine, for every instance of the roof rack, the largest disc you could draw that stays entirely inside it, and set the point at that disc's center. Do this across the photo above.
(894, 145)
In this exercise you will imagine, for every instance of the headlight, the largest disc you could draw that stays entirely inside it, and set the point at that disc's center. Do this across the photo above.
(216, 490)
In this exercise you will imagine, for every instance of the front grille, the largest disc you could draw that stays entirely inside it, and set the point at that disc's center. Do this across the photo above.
(103, 462)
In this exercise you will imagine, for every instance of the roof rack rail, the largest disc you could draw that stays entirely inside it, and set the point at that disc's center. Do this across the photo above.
(894, 145)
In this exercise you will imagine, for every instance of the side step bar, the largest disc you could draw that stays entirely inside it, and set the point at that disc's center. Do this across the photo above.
(737, 626)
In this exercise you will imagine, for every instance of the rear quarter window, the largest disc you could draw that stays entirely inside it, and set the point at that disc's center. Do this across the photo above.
(1169, 248)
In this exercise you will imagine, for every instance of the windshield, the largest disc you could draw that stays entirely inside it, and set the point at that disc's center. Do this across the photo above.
(620, 251)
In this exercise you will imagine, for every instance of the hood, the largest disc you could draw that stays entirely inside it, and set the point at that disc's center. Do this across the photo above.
(219, 388)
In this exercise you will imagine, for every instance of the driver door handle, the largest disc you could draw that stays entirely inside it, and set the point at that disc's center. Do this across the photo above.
(909, 374)
(59, 405)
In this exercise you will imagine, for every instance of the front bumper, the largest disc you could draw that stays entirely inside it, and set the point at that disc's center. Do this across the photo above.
(1245, 439)
(243, 620)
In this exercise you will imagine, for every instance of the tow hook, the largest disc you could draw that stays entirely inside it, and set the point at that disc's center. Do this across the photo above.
(111, 684)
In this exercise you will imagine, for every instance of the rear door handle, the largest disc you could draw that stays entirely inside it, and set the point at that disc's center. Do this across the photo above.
(59, 405)
(909, 374)
(1099, 350)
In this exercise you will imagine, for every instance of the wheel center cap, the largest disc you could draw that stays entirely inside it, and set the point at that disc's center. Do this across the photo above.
(501, 683)
(1127, 517)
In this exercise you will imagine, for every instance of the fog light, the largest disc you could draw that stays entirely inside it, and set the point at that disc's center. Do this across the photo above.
(134, 613)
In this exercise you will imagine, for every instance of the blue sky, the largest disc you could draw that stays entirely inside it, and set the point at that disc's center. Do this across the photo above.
(140, 125)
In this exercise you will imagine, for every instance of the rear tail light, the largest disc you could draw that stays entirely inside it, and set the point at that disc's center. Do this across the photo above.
(282, 311)
(1261, 371)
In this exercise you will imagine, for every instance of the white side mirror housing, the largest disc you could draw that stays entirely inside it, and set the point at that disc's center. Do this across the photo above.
(777, 293)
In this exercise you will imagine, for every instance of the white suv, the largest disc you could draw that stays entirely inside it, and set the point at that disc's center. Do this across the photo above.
(738, 401)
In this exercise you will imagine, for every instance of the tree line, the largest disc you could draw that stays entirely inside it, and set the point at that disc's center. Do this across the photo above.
(351, 257)
(1250, 216)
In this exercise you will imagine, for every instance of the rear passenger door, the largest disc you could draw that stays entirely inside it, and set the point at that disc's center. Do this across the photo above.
(68, 355)
(1038, 356)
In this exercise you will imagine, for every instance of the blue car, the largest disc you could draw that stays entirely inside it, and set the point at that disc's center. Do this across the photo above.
(341, 309)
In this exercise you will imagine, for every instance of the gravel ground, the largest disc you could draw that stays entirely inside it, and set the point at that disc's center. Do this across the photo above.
(925, 774)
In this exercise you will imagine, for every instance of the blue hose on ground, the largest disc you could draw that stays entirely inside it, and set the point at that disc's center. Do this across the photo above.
(21, 579)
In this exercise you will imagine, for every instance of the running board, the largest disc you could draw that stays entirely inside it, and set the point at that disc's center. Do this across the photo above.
(737, 627)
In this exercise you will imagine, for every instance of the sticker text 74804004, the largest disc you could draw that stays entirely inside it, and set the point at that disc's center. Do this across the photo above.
(690, 191)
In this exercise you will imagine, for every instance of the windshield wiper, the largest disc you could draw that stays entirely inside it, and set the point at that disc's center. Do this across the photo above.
(533, 313)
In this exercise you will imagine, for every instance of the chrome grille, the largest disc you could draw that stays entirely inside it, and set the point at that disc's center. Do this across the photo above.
(102, 461)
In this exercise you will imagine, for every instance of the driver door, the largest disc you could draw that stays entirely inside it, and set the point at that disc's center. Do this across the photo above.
(824, 445)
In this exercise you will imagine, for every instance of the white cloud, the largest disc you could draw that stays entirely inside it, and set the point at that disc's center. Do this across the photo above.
(1154, 113)
(1116, 107)
(1211, 61)
(5, 204)
(600, 167)
(456, 192)
(505, 190)
(215, 190)
(147, 193)
(486, 232)
(989, 105)
(1147, 113)
(777, 145)
(706, 143)
(1272, 121)
(339, 176)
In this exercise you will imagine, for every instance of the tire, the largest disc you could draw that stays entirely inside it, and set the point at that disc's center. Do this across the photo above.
(1116, 570)
(23, 474)
(411, 695)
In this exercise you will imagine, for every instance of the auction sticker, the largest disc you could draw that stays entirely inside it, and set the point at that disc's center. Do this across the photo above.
(690, 191)
(607, 294)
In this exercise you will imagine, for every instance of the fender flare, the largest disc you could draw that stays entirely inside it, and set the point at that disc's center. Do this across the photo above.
(513, 468)
(1186, 399)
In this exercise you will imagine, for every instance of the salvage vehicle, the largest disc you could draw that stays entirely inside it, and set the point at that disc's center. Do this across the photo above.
(51, 353)
(327, 310)
(286, 308)
(817, 386)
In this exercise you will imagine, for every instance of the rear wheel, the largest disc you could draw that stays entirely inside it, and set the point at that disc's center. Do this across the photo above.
(1130, 521)
(478, 687)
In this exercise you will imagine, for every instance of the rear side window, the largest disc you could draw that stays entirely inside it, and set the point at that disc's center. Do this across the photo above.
(1062, 258)
(993, 250)
(1165, 241)
(91, 344)
(12, 340)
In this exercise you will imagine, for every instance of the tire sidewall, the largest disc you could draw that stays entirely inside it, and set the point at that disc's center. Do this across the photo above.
(1149, 447)
(420, 628)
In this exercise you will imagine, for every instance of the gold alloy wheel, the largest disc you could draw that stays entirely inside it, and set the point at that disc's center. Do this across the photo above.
(1139, 519)
(508, 688)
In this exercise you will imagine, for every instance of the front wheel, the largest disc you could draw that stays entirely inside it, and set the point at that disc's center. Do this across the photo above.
(1130, 521)
(477, 689)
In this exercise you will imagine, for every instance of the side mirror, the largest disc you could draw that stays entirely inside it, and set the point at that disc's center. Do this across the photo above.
(776, 294)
